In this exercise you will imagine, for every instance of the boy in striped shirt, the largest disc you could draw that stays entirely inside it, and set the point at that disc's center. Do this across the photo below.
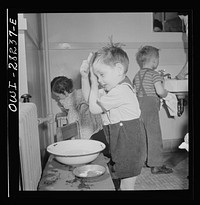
(149, 89)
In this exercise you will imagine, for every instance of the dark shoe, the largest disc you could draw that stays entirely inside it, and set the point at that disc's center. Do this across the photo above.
(146, 165)
(161, 170)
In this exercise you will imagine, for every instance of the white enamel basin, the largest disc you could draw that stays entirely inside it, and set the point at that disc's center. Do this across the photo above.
(77, 151)
(176, 86)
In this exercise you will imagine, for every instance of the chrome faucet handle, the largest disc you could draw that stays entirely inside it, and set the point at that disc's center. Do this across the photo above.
(168, 75)
(161, 72)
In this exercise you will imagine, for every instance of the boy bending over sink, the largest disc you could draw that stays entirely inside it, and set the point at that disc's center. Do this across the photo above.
(71, 100)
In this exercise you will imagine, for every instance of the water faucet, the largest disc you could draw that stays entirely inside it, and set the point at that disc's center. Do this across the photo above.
(168, 75)
(163, 75)
(161, 72)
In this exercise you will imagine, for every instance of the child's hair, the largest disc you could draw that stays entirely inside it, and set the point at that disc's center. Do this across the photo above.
(112, 54)
(61, 84)
(145, 53)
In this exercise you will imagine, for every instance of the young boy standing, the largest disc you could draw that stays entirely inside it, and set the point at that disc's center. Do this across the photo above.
(117, 103)
(149, 88)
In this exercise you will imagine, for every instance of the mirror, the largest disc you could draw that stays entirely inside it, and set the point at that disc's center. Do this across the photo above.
(168, 22)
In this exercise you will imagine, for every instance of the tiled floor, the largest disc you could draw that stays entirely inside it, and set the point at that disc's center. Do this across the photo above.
(178, 180)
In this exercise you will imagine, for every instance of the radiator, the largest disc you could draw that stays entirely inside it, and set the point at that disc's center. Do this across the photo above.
(29, 146)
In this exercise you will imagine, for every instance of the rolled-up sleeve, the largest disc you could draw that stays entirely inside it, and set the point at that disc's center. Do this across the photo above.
(156, 77)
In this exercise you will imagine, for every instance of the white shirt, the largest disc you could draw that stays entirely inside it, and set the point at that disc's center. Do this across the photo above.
(121, 104)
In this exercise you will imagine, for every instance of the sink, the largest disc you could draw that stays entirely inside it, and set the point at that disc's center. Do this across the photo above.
(176, 86)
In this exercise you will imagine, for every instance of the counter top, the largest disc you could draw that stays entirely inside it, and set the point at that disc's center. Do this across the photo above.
(57, 176)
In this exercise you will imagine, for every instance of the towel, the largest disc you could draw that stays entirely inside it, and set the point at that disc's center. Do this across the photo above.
(89, 123)
(171, 103)
(185, 144)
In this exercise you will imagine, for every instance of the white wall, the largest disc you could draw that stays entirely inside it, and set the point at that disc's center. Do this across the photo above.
(32, 60)
(72, 36)
(32, 71)
(22, 26)
(84, 32)
(96, 27)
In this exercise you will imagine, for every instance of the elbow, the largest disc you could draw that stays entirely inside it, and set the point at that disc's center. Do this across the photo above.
(163, 94)
(95, 111)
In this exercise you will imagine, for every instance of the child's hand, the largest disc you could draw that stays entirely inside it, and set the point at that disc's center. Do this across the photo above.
(85, 66)
(93, 77)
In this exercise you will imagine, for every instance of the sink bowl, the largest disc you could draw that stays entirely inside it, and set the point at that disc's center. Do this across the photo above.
(176, 86)
(77, 151)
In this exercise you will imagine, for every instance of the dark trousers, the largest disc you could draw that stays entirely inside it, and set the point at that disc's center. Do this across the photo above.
(127, 148)
(150, 116)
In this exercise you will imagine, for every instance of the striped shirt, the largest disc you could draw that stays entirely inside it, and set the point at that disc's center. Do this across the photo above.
(151, 77)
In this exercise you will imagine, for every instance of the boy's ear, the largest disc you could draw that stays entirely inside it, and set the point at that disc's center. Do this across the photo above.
(120, 68)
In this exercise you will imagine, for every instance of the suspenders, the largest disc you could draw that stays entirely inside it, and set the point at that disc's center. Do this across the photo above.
(141, 86)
